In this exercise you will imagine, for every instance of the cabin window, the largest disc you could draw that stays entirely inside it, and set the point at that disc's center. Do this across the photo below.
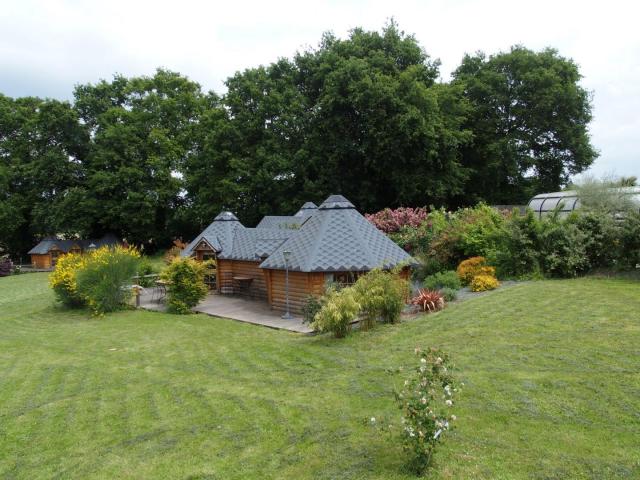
(345, 278)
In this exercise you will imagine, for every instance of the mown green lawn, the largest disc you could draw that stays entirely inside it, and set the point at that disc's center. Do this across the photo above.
(551, 372)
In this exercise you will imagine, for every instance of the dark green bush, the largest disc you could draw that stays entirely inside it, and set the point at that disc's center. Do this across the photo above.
(428, 266)
(145, 268)
(630, 241)
(524, 246)
(602, 242)
(312, 306)
(517, 252)
(449, 294)
(563, 248)
(438, 281)
(186, 284)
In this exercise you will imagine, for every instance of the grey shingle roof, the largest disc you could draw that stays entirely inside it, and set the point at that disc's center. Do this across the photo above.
(281, 221)
(255, 243)
(219, 234)
(307, 209)
(337, 238)
(65, 246)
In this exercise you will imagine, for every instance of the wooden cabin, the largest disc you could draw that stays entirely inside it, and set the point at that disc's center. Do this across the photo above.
(45, 254)
(317, 246)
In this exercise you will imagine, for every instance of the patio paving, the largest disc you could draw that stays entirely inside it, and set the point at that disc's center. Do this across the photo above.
(241, 309)
(249, 311)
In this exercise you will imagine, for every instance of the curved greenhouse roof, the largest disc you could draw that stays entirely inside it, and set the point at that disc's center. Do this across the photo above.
(569, 201)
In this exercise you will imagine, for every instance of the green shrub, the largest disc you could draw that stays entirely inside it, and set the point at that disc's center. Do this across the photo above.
(105, 276)
(517, 253)
(381, 295)
(339, 309)
(417, 239)
(449, 294)
(312, 305)
(186, 288)
(478, 229)
(426, 400)
(428, 266)
(469, 232)
(438, 281)
(630, 241)
(145, 268)
(563, 248)
(602, 238)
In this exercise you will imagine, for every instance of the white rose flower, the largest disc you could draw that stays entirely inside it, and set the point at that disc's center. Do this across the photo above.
(449, 403)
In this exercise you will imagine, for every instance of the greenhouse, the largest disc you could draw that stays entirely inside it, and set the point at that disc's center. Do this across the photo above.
(568, 201)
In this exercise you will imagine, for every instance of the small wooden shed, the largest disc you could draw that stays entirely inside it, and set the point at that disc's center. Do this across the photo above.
(46, 253)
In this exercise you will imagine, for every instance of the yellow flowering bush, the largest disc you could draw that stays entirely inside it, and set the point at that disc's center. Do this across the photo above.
(473, 266)
(63, 279)
(483, 282)
(104, 277)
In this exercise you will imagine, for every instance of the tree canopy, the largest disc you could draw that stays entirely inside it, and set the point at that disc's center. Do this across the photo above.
(154, 157)
(529, 117)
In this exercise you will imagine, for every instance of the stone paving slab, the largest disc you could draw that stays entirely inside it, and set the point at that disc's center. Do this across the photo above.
(250, 311)
(244, 310)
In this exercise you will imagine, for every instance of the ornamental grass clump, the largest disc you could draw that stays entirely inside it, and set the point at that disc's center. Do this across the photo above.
(63, 280)
(381, 295)
(339, 309)
(186, 288)
(428, 300)
(105, 276)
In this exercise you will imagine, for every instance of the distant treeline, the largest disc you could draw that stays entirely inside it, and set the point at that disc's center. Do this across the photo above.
(153, 158)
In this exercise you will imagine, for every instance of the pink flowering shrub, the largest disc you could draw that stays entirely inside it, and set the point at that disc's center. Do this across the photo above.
(390, 221)
(426, 401)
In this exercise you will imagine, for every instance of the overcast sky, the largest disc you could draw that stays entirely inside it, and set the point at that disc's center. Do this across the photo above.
(46, 47)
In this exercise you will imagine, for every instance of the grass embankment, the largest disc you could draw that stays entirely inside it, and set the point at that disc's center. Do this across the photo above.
(552, 375)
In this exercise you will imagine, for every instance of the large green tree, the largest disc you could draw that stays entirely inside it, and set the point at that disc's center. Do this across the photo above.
(247, 154)
(529, 120)
(382, 132)
(42, 144)
(362, 116)
(142, 132)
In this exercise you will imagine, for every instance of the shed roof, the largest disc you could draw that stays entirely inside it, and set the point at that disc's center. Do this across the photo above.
(337, 238)
(49, 243)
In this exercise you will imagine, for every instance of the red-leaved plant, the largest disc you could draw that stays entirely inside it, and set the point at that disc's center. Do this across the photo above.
(428, 300)
(390, 221)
